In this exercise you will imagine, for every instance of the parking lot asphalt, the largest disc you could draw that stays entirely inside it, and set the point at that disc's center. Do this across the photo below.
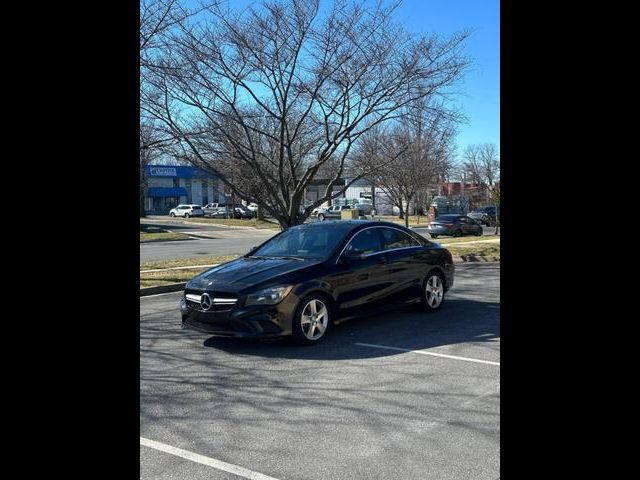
(363, 404)
(223, 242)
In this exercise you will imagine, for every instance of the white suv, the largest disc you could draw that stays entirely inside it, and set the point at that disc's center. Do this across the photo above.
(187, 211)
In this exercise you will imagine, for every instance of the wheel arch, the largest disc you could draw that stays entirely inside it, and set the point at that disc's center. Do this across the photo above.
(440, 270)
(320, 288)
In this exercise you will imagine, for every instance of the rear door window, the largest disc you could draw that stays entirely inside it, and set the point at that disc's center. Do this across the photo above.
(392, 238)
(367, 241)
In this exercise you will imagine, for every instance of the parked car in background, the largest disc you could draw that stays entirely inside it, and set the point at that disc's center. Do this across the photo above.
(303, 279)
(333, 212)
(317, 210)
(484, 215)
(454, 226)
(243, 212)
(253, 207)
(215, 209)
(365, 208)
(187, 211)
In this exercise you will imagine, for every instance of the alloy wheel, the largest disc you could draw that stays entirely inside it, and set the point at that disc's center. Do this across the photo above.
(434, 291)
(315, 318)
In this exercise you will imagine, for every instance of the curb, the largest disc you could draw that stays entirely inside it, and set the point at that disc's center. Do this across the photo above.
(174, 287)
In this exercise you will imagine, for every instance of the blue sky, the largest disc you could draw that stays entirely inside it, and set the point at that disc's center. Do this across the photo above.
(481, 99)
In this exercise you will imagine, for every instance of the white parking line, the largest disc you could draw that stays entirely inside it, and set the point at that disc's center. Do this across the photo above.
(210, 462)
(423, 352)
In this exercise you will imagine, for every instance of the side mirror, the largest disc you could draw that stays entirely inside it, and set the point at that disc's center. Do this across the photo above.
(252, 250)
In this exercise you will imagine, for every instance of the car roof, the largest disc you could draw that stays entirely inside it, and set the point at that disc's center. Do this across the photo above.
(348, 225)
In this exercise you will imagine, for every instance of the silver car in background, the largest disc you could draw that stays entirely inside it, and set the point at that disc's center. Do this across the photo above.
(187, 211)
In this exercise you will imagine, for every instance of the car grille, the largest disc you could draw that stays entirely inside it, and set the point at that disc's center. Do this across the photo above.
(221, 301)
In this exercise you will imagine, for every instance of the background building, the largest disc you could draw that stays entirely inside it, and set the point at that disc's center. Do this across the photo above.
(168, 186)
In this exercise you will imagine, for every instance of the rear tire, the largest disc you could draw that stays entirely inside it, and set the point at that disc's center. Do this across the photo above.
(433, 291)
(457, 233)
(312, 320)
(434, 236)
(186, 215)
(321, 217)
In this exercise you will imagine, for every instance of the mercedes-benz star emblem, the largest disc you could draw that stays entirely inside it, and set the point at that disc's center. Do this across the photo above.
(205, 301)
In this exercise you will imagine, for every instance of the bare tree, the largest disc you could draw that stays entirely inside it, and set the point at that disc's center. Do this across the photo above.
(481, 165)
(270, 97)
(419, 151)
(471, 168)
(490, 160)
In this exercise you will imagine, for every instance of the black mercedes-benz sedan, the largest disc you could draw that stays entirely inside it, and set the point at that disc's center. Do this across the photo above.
(307, 278)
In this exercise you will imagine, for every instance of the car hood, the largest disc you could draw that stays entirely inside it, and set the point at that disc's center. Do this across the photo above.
(244, 272)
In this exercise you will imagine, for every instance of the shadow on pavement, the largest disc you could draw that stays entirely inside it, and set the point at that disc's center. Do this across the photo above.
(458, 321)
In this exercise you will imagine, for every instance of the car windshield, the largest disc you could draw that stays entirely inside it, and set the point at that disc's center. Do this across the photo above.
(302, 243)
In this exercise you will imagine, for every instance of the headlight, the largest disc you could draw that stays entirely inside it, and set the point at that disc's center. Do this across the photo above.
(268, 296)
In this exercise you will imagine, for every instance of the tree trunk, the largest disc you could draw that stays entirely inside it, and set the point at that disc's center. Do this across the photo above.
(373, 196)
(406, 217)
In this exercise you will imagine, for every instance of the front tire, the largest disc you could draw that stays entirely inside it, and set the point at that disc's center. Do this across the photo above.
(434, 236)
(312, 320)
(433, 292)
(172, 214)
(321, 217)
(457, 233)
(186, 215)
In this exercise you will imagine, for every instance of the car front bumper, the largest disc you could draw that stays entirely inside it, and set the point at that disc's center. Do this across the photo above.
(439, 231)
(255, 321)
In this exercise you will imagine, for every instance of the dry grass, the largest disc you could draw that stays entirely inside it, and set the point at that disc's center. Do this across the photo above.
(155, 279)
(452, 240)
(487, 251)
(186, 262)
(167, 277)
(254, 223)
(150, 233)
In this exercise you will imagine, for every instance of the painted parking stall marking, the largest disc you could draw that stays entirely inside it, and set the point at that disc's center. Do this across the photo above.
(434, 354)
(211, 462)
